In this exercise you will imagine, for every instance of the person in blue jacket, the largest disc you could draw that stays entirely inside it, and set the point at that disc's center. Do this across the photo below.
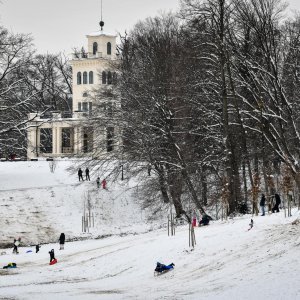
(161, 267)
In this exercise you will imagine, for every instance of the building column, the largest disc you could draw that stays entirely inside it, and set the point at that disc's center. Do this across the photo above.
(32, 142)
(54, 140)
(77, 140)
(59, 140)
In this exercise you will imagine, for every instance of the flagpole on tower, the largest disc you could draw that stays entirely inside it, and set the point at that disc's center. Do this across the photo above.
(101, 22)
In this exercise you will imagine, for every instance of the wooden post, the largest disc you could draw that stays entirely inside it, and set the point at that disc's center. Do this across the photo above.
(168, 225)
(222, 212)
(284, 207)
(190, 234)
(173, 225)
(289, 205)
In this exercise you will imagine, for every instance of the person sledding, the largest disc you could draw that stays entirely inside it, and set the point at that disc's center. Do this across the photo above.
(10, 266)
(53, 260)
(161, 268)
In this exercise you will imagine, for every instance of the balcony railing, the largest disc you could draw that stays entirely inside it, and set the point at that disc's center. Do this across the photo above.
(86, 55)
(67, 150)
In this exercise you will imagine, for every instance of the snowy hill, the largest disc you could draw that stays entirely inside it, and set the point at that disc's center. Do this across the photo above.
(38, 205)
(228, 262)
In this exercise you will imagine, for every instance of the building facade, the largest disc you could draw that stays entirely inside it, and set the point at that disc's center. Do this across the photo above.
(55, 134)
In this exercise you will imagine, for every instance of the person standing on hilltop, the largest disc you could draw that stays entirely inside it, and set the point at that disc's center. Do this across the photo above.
(87, 174)
(104, 184)
(80, 174)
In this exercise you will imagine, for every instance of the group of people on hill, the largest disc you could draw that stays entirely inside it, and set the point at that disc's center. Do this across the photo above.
(87, 174)
(61, 240)
(87, 177)
(275, 207)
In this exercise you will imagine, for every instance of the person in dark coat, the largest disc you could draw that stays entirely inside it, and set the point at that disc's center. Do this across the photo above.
(277, 203)
(87, 174)
(262, 204)
(205, 220)
(80, 174)
(161, 267)
(98, 182)
(52, 256)
(16, 245)
(62, 241)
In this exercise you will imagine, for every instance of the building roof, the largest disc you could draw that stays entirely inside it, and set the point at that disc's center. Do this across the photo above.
(101, 33)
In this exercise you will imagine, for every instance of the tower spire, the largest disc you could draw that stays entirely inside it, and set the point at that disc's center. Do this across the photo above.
(101, 22)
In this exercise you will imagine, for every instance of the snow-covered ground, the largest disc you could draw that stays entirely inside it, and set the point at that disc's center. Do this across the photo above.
(228, 262)
(38, 205)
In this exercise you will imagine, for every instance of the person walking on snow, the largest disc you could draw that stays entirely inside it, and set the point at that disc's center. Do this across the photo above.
(87, 174)
(104, 183)
(262, 204)
(62, 241)
(80, 174)
(16, 245)
(98, 182)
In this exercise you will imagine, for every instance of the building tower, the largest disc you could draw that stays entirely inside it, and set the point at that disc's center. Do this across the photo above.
(59, 136)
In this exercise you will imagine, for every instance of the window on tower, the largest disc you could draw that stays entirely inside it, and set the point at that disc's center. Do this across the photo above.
(109, 77)
(103, 77)
(91, 77)
(108, 46)
(79, 78)
(84, 78)
(95, 48)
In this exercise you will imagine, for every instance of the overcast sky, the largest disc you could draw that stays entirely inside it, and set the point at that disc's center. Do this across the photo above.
(60, 25)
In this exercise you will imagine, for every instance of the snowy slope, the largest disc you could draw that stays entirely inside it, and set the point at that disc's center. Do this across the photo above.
(38, 205)
(228, 262)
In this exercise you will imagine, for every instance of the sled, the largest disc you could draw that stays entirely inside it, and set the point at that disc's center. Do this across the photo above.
(53, 262)
(10, 266)
(156, 273)
(162, 269)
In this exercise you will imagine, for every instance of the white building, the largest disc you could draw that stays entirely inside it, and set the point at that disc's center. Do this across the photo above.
(56, 135)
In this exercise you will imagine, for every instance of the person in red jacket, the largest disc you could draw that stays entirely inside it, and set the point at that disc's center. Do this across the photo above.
(104, 183)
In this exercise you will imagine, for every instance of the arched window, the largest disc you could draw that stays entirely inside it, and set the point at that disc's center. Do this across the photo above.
(84, 81)
(85, 94)
(108, 46)
(114, 78)
(103, 77)
(79, 78)
(95, 48)
(91, 77)
(109, 77)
